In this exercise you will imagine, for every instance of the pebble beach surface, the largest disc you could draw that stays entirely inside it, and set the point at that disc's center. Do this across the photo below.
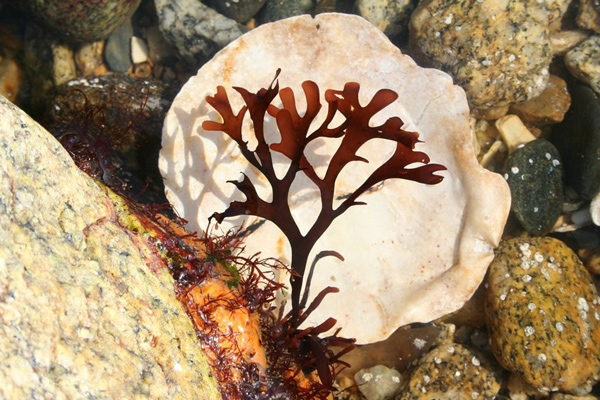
(531, 73)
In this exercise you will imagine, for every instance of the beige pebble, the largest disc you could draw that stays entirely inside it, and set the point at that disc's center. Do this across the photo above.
(139, 50)
(513, 132)
(564, 41)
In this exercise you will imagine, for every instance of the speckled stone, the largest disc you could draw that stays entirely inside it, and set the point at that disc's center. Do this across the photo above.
(391, 16)
(543, 314)
(498, 51)
(81, 313)
(588, 15)
(196, 30)
(534, 175)
(274, 10)
(547, 108)
(239, 10)
(452, 371)
(584, 62)
(81, 20)
(577, 139)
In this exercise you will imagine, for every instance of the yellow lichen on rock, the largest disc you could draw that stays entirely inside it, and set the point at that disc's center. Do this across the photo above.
(82, 314)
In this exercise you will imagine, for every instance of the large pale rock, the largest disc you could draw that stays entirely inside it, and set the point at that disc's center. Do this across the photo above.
(81, 313)
(414, 252)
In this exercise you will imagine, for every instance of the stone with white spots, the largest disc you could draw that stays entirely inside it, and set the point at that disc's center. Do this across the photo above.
(543, 314)
(378, 382)
(452, 371)
(498, 51)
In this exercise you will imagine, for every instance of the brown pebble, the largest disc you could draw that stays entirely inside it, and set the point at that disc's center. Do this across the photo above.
(547, 108)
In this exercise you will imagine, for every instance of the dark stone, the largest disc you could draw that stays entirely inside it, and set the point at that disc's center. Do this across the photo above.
(81, 20)
(118, 48)
(534, 175)
(274, 10)
(577, 139)
(240, 10)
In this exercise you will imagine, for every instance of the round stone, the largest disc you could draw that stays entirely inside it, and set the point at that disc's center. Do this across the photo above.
(239, 10)
(534, 175)
(82, 20)
(453, 371)
(543, 314)
(498, 51)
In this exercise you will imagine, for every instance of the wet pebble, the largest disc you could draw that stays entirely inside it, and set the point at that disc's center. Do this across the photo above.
(534, 175)
(543, 314)
(391, 16)
(81, 20)
(547, 108)
(239, 10)
(275, 10)
(452, 369)
(577, 139)
(583, 62)
(564, 41)
(194, 29)
(498, 51)
(139, 50)
(378, 382)
(118, 48)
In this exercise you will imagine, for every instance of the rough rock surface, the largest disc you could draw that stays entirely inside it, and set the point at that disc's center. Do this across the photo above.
(584, 62)
(498, 51)
(81, 20)
(452, 371)
(196, 30)
(424, 249)
(543, 314)
(82, 314)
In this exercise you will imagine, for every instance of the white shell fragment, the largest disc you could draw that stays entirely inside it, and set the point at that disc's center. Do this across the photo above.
(414, 252)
